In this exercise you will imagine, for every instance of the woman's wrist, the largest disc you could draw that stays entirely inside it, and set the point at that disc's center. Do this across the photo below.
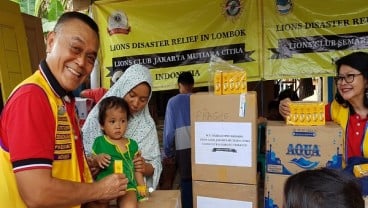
(148, 170)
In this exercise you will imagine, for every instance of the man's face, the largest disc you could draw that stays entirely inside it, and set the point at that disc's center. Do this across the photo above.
(71, 53)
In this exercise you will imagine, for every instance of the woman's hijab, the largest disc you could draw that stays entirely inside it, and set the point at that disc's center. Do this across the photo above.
(141, 126)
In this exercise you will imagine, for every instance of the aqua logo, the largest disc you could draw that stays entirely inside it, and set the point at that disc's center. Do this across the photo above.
(303, 150)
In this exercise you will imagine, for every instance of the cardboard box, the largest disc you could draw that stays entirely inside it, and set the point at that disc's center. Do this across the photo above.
(162, 199)
(224, 137)
(274, 190)
(83, 106)
(291, 149)
(230, 195)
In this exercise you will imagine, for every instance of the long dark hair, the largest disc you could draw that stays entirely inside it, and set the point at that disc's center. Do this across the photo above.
(358, 61)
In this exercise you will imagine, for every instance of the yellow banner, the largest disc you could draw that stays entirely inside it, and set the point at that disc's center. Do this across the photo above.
(303, 38)
(171, 36)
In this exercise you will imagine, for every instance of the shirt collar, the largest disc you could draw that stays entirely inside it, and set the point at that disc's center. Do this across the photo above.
(55, 86)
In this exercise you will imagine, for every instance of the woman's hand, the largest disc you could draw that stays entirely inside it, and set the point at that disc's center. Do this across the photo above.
(139, 163)
(141, 166)
(284, 108)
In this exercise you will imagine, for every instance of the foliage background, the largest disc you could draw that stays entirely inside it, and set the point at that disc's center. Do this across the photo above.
(48, 10)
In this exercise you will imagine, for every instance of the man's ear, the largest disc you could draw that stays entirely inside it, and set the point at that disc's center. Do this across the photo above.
(50, 41)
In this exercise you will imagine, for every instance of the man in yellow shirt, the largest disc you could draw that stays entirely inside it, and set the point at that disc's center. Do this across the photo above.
(41, 149)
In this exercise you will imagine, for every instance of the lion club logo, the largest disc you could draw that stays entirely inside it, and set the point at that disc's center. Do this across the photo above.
(232, 8)
(284, 6)
(118, 23)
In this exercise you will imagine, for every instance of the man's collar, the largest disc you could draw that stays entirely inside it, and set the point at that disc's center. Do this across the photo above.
(55, 86)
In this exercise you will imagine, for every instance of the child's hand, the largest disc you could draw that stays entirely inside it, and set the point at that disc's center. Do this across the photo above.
(103, 160)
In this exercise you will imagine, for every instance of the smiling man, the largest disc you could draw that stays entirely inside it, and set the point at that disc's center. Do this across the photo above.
(41, 153)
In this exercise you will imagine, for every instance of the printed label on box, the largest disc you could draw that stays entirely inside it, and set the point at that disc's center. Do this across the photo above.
(209, 202)
(223, 143)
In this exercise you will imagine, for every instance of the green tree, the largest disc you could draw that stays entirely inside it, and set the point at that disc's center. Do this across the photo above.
(48, 10)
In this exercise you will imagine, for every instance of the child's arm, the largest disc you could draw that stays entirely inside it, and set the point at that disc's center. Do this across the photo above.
(139, 178)
(141, 185)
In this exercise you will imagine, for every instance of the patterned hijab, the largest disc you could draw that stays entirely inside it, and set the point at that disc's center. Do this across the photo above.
(141, 126)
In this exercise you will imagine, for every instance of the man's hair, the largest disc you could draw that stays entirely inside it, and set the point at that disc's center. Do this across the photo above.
(65, 17)
(186, 78)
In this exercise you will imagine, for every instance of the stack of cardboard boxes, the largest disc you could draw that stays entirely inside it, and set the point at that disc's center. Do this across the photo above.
(291, 149)
(224, 143)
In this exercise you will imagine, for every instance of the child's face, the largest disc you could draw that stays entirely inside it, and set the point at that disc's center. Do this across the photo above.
(115, 123)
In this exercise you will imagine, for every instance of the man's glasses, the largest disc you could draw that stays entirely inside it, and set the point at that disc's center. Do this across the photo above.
(349, 78)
